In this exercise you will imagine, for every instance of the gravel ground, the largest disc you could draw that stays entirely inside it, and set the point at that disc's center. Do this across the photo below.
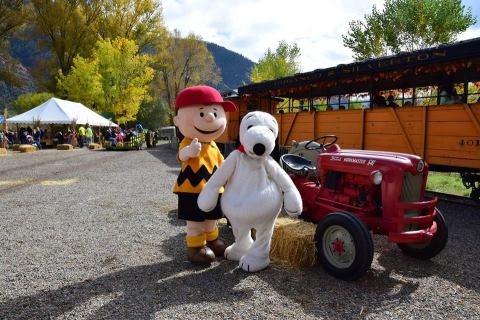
(94, 235)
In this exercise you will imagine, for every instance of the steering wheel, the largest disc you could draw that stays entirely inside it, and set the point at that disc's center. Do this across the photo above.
(327, 141)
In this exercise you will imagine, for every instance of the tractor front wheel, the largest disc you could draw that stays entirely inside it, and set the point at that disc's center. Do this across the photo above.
(430, 248)
(344, 245)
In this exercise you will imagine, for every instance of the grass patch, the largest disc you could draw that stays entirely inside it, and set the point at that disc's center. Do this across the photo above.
(450, 183)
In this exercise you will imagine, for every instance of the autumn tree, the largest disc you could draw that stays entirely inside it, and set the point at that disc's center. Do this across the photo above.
(282, 62)
(83, 83)
(407, 25)
(28, 101)
(12, 18)
(119, 74)
(138, 20)
(66, 27)
(185, 62)
(154, 113)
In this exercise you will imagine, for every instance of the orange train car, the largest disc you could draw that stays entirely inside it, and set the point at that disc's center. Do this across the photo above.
(424, 102)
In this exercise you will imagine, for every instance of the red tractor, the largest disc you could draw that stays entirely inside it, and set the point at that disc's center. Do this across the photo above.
(352, 192)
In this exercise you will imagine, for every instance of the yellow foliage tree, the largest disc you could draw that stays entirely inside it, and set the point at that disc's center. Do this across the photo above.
(139, 20)
(83, 83)
(119, 74)
(185, 62)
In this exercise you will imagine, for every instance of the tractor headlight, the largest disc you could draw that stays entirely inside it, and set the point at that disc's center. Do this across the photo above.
(376, 177)
(420, 166)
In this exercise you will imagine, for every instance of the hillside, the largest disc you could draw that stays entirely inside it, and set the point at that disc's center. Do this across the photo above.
(235, 68)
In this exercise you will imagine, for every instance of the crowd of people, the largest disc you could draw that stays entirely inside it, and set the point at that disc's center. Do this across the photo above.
(119, 135)
(79, 136)
(447, 94)
(24, 135)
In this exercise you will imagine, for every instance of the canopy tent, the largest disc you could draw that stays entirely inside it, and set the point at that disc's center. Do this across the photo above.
(58, 111)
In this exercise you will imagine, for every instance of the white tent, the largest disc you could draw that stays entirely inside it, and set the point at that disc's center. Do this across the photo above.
(58, 111)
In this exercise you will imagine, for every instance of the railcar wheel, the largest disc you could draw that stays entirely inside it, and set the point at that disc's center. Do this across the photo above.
(428, 249)
(344, 245)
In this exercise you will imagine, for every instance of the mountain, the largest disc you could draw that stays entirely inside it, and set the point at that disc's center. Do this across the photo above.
(9, 92)
(235, 68)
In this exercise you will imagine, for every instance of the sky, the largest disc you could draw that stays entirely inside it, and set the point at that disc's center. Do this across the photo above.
(250, 27)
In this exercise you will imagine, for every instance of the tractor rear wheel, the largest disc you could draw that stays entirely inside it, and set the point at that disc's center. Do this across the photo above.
(344, 245)
(430, 248)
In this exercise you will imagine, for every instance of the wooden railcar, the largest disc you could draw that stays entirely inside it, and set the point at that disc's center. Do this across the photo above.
(445, 133)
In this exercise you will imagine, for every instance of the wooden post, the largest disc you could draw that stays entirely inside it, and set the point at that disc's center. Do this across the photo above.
(424, 132)
(362, 130)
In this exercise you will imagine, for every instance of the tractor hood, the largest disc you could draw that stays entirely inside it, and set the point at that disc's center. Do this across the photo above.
(368, 160)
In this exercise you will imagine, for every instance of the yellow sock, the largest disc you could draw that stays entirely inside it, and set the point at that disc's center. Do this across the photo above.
(196, 241)
(212, 235)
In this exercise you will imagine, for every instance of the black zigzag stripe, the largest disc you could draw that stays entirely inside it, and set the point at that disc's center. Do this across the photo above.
(195, 177)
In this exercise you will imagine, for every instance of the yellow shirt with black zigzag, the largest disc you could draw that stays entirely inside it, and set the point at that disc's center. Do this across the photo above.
(196, 171)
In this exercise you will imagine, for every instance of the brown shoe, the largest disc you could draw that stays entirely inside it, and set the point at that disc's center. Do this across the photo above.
(200, 255)
(217, 246)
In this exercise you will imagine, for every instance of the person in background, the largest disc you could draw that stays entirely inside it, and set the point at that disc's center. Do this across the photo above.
(81, 136)
(329, 108)
(379, 101)
(391, 101)
(301, 107)
(37, 136)
(341, 107)
(148, 140)
(449, 95)
(3, 140)
(155, 138)
(89, 134)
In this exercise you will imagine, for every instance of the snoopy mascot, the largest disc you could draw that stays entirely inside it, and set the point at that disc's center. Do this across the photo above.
(255, 189)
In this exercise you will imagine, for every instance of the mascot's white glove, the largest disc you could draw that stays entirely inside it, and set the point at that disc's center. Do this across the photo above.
(190, 151)
(292, 201)
(207, 199)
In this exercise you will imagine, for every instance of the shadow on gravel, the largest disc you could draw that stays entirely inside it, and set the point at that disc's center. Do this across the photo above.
(166, 155)
(137, 292)
(457, 263)
(324, 296)
(173, 219)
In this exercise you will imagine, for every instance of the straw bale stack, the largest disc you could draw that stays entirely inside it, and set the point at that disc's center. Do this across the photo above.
(293, 243)
(3, 152)
(15, 147)
(27, 148)
(94, 146)
(64, 147)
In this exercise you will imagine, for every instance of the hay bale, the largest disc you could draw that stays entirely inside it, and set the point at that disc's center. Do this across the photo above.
(15, 147)
(94, 146)
(293, 243)
(27, 148)
(64, 147)
(3, 152)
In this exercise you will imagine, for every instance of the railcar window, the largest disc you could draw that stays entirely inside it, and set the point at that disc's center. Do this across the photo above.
(426, 96)
(360, 100)
(473, 95)
(320, 104)
(339, 102)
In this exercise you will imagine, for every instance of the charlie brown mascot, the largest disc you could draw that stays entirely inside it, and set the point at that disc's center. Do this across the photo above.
(201, 119)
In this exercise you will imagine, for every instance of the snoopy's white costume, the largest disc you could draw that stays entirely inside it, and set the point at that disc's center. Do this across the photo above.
(255, 188)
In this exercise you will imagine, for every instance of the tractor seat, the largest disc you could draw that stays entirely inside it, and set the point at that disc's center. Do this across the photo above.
(296, 164)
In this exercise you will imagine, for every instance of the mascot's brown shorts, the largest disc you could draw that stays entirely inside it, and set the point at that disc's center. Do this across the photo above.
(188, 208)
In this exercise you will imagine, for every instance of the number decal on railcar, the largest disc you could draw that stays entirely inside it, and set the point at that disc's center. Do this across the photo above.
(470, 142)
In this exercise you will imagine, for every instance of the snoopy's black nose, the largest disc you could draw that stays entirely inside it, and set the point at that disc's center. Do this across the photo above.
(259, 149)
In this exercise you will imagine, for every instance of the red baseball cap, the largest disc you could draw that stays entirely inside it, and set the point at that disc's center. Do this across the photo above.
(202, 95)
